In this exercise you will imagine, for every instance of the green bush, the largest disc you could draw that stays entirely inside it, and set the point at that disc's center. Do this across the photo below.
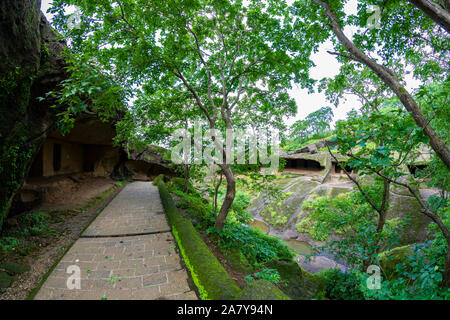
(271, 275)
(9, 243)
(256, 246)
(341, 285)
(35, 223)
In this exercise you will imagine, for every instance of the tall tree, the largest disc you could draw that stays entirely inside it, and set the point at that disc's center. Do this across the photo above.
(438, 13)
(234, 59)
(316, 122)
(392, 41)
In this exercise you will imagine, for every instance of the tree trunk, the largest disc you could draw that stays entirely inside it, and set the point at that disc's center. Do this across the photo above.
(446, 273)
(186, 177)
(229, 197)
(216, 191)
(435, 12)
(388, 77)
(381, 222)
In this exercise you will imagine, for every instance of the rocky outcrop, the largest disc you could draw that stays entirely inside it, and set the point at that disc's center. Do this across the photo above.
(315, 147)
(31, 66)
(148, 164)
(297, 283)
(404, 206)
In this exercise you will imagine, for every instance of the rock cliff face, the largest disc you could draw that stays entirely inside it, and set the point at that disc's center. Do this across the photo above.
(285, 218)
(31, 65)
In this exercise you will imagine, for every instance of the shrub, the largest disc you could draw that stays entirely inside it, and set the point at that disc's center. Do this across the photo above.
(271, 275)
(257, 247)
(8, 243)
(35, 223)
(342, 286)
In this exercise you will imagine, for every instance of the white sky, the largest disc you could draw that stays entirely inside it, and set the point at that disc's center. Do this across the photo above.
(326, 66)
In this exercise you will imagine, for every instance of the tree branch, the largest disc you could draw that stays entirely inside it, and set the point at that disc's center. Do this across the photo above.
(434, 11)
(391, 80)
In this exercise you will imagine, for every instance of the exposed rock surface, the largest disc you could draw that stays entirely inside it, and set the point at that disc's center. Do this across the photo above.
(285, 218)
(31, 66)
(148, 164)
(315, 147)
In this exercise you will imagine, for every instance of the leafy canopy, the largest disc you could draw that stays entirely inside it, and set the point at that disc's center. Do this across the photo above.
(189, 59)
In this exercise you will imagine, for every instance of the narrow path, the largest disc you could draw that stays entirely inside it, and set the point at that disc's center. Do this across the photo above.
(127, 253)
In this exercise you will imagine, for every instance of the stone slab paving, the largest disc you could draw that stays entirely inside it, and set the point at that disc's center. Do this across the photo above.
(141, 267)
(134, 211)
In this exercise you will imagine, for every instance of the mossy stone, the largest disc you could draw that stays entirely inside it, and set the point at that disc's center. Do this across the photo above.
(14, 268)
(5, 280)
(262, 290)
(409, 210)
(211, 279)
(313, 286)
(236, 260)
(389, 259)
(297, 283)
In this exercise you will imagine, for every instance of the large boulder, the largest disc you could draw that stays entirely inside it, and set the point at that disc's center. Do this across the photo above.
(149, 163)
(237, 261)
(5, 280)
(31, 66)
(404, 206)
(297, 283)
(390, 259)
(13, 268)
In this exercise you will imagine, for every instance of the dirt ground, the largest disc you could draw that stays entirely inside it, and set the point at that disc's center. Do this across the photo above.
(76, 203)
(69, 191)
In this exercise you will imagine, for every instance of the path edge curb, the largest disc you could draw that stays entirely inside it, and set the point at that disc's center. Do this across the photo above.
(101, 206)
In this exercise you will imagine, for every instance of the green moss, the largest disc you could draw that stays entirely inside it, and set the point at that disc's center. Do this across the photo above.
(44, 63)
(211, 279)
(291, 277)
(13, 268)
(389, 259)
(409, 210)
(161, 177)
(178, 184)
(297, 283)
(314, 286)
(237, 260)
(402, 90)
(5, 280)
(262, 290)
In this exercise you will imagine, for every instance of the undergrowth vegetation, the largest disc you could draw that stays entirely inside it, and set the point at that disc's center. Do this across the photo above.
(35, 229)
(256, 246)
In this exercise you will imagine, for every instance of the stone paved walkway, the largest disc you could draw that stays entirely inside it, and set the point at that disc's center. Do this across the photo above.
(127, 253)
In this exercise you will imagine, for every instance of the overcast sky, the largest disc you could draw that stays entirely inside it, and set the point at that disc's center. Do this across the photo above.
(326, 66)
